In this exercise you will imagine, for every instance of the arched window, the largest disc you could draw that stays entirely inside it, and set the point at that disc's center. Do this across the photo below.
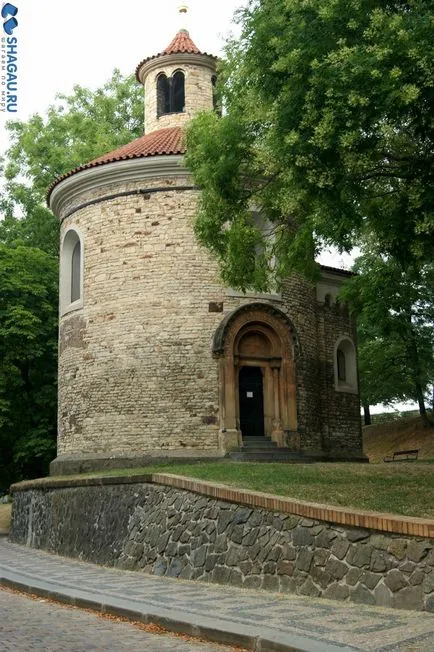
(178, 92)
(163, 95)
(340, 355)
(75, 272)
(170, 93)
(345, 366)
(71, 272)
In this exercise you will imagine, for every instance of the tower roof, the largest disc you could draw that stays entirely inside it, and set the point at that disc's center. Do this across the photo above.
(162, 142)
(181, 43)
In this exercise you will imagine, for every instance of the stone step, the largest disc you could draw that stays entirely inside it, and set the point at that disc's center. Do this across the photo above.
(258, 443)
(269, 455)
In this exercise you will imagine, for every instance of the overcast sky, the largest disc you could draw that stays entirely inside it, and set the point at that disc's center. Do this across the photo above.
(64, 43)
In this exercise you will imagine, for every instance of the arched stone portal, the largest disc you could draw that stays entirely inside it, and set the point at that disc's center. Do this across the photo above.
(257, 336)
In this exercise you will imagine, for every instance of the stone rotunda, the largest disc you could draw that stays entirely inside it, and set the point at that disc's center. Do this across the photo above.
(157, 359)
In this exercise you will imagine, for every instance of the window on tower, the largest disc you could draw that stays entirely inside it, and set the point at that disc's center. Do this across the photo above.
(163, 95)
(71, 272)
(215, 103)
(170, 93)
(178, 92)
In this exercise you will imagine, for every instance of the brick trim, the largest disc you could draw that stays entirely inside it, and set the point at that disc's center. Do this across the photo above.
(391, 523)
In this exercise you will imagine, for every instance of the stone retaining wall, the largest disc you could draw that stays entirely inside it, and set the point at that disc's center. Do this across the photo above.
(170, 531)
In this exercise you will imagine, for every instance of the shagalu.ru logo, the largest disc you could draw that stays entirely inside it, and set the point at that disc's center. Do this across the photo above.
(9, 12)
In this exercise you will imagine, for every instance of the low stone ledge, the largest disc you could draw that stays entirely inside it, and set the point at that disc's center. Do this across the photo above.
(383, 522)
(213, 533)
(92, 481)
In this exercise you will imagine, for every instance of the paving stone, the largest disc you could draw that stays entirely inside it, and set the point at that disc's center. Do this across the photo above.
(357, 535)
(302, 537)
(340, 548)
(383, 595)
(325, 538)
(360, 555)
(395, 580)
(270, 583)
(417, 550)
(336, 568)
(321, 556)
(417, 578)
(398, 548)
(428, 582)
(410, 597)
(370, 579)
(309, 588)
(336, 592)
(304, 560)
(285, 567)
(361, 595)
(353, 576)
(288, 552)
(379, 561)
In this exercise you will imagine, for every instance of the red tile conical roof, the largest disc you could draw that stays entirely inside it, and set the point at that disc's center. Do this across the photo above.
(182, 43)
(164, 141)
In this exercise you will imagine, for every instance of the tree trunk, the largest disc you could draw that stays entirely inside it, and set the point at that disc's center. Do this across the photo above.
(421, 403)
(367, 415)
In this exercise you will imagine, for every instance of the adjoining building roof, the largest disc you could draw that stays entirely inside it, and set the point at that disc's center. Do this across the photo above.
(338, 270)
(181, 43)
(160, 142)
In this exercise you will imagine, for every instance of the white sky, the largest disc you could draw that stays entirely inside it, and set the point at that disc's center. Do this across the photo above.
(62, 43)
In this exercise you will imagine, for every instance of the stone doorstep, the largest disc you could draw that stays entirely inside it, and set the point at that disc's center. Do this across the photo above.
(197, 626)
(390, 523)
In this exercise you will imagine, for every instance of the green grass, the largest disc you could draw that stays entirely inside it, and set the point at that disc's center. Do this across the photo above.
(5, 516)
(401, 488)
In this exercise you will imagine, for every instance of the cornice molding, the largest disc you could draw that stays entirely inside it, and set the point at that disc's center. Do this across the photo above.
(178, 59)
(137, 169)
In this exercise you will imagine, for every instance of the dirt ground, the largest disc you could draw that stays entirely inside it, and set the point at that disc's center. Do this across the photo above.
(404, 434)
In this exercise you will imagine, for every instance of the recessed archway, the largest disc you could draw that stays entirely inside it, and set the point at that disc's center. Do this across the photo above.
(262, 339)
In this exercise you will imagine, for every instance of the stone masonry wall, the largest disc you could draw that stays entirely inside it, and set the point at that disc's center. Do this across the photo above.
(198, 95)
(136, 373)
(341, 408)
(168, 531)
(135, 365)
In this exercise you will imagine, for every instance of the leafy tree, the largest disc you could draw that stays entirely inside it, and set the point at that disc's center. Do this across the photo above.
(384, 377)
(76, 129)
(28, 345)
(328, 132)
(395, 307)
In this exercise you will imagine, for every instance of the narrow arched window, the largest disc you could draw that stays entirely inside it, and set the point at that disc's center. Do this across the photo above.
(76, 272)
(215, 103)
(71, 272)
(345, 365)
(163, 95)
(342, 374)
(178, 92)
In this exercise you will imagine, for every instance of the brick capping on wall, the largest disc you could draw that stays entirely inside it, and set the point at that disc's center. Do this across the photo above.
(413, 526)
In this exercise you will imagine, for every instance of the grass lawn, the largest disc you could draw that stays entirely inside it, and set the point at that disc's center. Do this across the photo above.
(401, 488)
(5, 516)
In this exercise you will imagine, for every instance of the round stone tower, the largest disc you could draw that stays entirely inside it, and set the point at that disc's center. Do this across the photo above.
(156, 357)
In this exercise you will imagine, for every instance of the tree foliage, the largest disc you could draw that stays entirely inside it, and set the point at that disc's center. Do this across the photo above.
(328, 132)
(76, 129)
(28, 346)
(395, 308)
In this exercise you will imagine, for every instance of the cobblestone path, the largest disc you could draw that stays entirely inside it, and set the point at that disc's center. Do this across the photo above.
(36, 625)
